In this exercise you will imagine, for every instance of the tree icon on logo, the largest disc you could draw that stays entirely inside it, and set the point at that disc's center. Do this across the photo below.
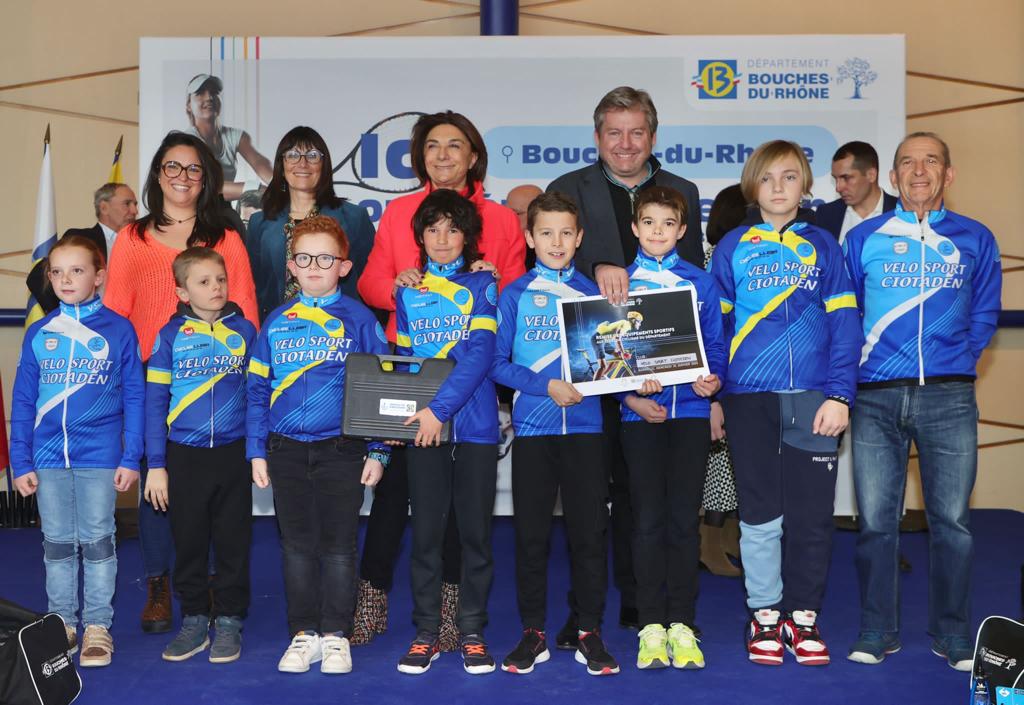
(859, 71)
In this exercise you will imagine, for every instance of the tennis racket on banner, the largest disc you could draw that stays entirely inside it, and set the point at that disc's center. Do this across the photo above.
(368, 169)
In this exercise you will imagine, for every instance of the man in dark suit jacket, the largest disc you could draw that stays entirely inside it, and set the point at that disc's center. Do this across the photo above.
(625, 130)
(115, 206)
(855, 171)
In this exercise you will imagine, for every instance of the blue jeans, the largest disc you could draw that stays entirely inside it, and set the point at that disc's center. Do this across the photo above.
(77, 510)
(942, 420)
(155, 538)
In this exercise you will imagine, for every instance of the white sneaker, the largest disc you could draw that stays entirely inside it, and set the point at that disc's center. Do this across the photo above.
(337, 657)
(304, 650)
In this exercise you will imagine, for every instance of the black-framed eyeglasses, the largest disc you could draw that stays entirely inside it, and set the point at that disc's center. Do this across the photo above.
(193, 172)
(313, 156)
(304, 259)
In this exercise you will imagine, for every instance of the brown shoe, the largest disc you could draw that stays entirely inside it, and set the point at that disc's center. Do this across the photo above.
(448, 636)
(712, 553)
(97, 646)
(72, 639)
(156, 615)
(731, 537)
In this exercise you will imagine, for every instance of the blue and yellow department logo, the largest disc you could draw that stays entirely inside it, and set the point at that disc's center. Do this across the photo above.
(717, 79)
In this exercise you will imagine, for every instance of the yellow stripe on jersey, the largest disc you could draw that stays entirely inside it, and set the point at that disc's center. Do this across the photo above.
(839, 301)
(221, 333)
(403, 340)
(484, 323)
(292, 379)
(448, 289)
(792, 241)
(321, 318)
(159, 376)
(258, 368)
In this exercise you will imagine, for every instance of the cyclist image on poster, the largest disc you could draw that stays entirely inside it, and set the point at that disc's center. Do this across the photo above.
(607, 340)
(611, 348)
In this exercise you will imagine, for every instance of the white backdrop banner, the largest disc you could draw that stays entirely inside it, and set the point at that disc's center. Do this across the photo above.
(532, 98)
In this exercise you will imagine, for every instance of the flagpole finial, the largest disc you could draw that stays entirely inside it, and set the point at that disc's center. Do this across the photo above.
(46, 138)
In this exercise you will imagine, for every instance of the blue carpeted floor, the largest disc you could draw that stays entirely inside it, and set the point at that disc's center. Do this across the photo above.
(138, 675)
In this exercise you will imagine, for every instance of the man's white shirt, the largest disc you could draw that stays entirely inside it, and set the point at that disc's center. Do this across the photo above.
(852, 220)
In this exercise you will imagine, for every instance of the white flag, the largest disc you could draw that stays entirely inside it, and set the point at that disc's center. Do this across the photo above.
(46, 224)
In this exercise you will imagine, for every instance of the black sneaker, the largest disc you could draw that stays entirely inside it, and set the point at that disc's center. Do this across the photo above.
(475, 658)
(568, 637)
(421, 654)
(531, 649)
(591, 652)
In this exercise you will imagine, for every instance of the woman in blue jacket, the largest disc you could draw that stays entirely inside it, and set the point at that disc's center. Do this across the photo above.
(302, 187)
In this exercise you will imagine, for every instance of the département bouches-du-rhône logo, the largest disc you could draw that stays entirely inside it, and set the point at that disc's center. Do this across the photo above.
(716, 79)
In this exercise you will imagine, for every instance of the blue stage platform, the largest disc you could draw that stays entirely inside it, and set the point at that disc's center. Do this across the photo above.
(138, 675)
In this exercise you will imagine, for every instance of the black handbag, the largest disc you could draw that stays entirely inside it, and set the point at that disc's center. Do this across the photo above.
(35, 667)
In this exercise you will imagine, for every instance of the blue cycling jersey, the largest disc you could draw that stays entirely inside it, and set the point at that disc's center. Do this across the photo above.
(668, 272)
(528, 352)
(79, 395)
(195, 382)
(929, 291)
(451, 314)
(297, 370)
(790, 313)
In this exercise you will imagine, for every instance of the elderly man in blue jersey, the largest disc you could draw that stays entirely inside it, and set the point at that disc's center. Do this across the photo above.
(928, 286)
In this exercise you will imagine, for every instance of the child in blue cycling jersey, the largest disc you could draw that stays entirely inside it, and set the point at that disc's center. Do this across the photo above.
(558, 441)
(195, 445)
(794, 340)
(76, 438)
(665, 439)
(451, 313)
(293, 430)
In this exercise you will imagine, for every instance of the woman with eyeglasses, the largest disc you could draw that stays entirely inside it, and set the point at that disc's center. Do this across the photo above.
(301, 187)
(182, 193)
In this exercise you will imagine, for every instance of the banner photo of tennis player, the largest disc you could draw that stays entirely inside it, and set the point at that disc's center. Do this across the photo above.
(608, 348)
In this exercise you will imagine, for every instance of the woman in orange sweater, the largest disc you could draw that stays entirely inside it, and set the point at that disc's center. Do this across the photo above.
(182, 193)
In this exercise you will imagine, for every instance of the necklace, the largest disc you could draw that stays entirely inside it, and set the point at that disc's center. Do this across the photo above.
(184, 220)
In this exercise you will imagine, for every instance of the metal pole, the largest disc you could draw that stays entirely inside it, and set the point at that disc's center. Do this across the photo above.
(499, 18)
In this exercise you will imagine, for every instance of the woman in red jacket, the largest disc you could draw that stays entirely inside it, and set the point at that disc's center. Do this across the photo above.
(447, 152)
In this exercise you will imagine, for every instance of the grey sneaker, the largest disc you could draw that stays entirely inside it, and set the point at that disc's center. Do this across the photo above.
(227, 640)
(193, 638)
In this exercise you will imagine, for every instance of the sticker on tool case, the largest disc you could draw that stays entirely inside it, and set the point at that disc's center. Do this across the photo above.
(397, 407)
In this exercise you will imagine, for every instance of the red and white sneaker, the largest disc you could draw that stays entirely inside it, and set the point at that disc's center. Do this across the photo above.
(764, 642)
(802, 639)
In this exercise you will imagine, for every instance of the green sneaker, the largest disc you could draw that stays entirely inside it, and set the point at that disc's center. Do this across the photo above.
(682, 645)
(653, 652)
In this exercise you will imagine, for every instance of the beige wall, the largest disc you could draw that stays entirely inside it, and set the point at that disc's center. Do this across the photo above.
(963, 54)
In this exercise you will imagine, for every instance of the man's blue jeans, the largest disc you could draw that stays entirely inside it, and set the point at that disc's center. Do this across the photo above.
(77, 511)
(155, 538)
(942, 420)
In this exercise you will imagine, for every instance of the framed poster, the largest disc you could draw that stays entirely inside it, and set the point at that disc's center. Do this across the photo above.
(608, 348)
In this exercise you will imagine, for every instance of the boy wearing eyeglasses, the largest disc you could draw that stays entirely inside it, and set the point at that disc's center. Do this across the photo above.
(293, 429)
(195, 445)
